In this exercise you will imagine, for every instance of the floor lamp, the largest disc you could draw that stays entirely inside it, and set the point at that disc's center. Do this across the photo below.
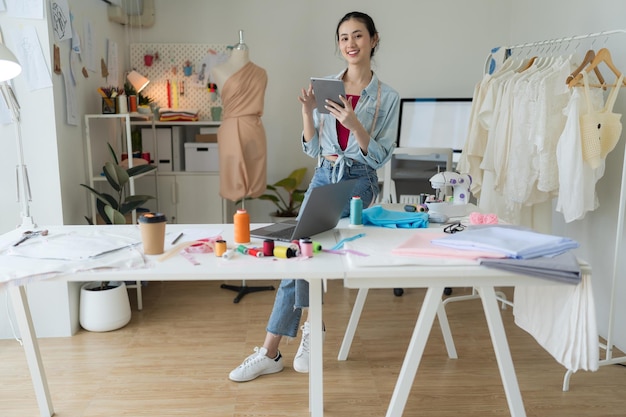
(9, 69)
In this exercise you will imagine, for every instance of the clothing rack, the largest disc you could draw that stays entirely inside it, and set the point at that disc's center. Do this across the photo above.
(619, 241)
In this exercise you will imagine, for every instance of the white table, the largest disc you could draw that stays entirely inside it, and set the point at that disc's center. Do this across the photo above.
(324, 266)
(315, 270)
(435, 278)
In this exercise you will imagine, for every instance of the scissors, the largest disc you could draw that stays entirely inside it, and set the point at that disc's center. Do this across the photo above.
(29, 233)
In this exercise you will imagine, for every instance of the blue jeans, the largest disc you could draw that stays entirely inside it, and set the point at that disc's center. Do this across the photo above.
(293, 294)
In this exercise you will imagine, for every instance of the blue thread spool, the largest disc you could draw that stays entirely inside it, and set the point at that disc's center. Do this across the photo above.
(356, 211)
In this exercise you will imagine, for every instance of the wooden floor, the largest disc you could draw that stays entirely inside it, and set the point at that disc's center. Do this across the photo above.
(173, 359)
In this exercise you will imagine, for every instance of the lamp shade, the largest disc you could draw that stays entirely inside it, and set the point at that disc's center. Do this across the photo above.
(138, 81)
(9, 67)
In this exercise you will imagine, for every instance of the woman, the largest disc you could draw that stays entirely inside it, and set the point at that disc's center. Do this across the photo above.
(352, 141)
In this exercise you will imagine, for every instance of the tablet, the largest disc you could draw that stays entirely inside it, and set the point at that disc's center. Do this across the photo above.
(327, 89)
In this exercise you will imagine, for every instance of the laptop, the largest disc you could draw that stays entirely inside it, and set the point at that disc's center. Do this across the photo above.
(321, 213)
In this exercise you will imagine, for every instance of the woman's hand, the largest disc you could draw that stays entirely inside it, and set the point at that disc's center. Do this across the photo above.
(307, 98)
(344, 114)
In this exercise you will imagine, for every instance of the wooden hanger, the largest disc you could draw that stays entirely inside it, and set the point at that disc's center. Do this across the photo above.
(589, 56)
(603, 55)
(527, 65)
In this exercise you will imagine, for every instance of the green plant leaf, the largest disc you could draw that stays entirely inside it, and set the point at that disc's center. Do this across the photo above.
(133, 202)
(102, 197)
(116, 176)
(289, 184)
(140, 169)
(113, 155)
(114, 216)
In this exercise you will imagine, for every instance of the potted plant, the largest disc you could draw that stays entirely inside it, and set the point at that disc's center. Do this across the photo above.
(104, 306)
(143, 101)
(286, 195)
(114, 208)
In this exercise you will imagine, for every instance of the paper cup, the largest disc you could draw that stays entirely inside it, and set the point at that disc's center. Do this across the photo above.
(152, 227)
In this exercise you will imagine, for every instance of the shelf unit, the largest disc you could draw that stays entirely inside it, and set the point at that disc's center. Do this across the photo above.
(123, 137)
(178, 190)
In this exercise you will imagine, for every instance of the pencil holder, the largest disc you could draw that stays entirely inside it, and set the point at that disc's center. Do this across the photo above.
(109, 106)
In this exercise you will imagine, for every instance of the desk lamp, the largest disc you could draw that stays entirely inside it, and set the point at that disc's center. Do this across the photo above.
(138, 81)
(9, 69)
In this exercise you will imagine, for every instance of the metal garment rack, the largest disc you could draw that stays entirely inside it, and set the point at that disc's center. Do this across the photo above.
(619, 238)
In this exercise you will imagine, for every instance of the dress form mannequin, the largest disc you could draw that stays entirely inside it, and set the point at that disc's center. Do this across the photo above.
(241, 135)
(239, 57)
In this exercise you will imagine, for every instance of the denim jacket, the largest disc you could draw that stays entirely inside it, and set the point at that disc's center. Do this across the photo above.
(382, 139)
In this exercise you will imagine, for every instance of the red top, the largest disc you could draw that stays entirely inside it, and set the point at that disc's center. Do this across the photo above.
(342, 132)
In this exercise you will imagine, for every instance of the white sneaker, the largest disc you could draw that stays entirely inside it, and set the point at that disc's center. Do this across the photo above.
(256, 365)
(301, 361)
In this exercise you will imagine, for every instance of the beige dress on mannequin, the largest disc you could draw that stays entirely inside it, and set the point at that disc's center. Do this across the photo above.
(241, 136)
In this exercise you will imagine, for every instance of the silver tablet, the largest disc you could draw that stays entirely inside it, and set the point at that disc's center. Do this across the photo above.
(327, 89)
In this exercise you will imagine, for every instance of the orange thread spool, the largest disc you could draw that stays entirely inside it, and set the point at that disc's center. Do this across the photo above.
(242, 226)
(220, 247)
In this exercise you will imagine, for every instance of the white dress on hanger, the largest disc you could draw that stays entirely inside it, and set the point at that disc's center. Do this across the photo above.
(577, 190)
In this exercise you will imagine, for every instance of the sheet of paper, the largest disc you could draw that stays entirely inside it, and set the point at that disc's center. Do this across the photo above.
(112, 63)
(25, 44)
(28, 9)
(71, 109)
(60, 20)
(87, 47)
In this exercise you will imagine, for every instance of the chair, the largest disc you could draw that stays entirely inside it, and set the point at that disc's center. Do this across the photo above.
(402, 155)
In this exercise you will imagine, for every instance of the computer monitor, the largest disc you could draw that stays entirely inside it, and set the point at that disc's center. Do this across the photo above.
(434, 122)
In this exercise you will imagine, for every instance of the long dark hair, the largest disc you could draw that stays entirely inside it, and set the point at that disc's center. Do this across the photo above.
(363, 18)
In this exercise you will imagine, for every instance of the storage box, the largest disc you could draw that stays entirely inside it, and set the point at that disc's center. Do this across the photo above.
(201, 157)
(207, 138)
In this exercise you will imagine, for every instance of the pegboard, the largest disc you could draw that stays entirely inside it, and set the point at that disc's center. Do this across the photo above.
(169, 66)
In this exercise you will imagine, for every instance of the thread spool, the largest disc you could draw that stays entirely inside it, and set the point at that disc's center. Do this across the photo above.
(122, 104)
(242, 226)
(295, 247)
(268, 247)
(306, 248)
(284, 252)
(228, 254)
(132, 104)
(220, 247)
(255, 252)
(242, 249)
(356, 212)
(317, 247)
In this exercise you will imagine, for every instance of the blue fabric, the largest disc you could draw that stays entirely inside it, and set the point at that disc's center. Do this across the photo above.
(379, 216)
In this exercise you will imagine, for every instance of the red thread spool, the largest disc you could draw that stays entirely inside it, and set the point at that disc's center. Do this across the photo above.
(255, 252)
(242, 226)
(268, 247)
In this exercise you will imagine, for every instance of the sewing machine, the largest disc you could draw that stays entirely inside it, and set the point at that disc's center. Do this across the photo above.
(455, 205)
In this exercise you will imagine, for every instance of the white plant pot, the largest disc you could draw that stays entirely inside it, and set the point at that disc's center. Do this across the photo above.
(104, 310)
